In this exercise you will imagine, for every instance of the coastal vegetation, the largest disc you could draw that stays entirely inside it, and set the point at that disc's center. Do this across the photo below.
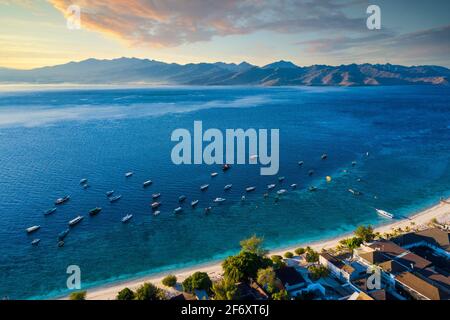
(365, 233)
(170, 280)
(299, 251)
(278, 261)
(126, 294)
(288, 255)
(224, 289)
(197, 281)
(148, 291)
(79, 295)
(311, 256)
(267, 279)
(318, 271)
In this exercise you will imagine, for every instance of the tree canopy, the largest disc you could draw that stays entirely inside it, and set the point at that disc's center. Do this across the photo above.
(126, 294)
(365, 233)
(243, 266)
(148, 291)
(253, 245)
(197, 281)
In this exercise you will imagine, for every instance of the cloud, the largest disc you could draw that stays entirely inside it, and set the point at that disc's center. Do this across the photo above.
(176, 22)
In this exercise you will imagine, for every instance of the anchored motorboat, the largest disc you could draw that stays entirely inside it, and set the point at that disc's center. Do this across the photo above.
(156, 205)
(95, 211)
(109, 193)
(62, 200)
(214, 174)
(219, 200)
(129, 174)
(156, 195)
(194, 203)
(250, 189)
(178, 210)
(294, 186)
(147, 183)
(181, 198)
(227, 187)
(385, 214)
(50, 211)
(33, 229)
(83, 181)
(115, 198)
(300, 163)
(271, 186)
(282, 191)
(324, 156)
(312, 188)
(355, 192)
(75, 221)
(35, 242)
(127, 218)
(63, 234)
(204, 187)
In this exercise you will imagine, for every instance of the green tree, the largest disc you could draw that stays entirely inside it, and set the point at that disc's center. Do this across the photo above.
(300, 251)
(267, 279)
(288, 255)
(278, 261)
(224, 290)
(169, 281)
(79, 295)
(243, 266)
(317, 272)
(311, 255)
(253, 245)
(126, 294)
(148, 291)
(197, 281)
(351, 243)
(280, 295)
(365, 233)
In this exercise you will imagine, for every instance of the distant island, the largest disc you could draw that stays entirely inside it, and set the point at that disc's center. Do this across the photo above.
(281, 73)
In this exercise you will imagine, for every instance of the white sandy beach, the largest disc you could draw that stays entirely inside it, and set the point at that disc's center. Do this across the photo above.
(441, 212)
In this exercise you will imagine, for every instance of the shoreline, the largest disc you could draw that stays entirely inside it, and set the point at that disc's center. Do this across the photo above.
(214, 269)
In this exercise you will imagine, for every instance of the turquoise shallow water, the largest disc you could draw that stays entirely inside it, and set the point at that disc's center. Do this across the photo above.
(51, 139)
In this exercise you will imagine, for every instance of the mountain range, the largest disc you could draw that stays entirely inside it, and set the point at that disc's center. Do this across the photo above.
(281, 73)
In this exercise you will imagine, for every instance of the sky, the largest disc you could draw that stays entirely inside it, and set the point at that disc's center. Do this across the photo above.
(34, 33)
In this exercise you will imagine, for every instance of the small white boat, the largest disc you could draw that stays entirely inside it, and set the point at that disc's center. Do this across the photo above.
(109, 193)
(324, 156)
(300, 163)
(204, 187)
(310, 172)
(129, 174)
(33, 229)
(181, 198)
(75, 221)
(214, 174)
(250, 189)
(156, 213)
(282, 191)
(114, 199)
(271, 186)
(127, 218)
(62, 200)
(63, 234)
(156, 195)
(83, 181)
(50, 211)
(281, 179)
(35, 242)
(355, 192)
(312, 188)
(194, 203)
(294, 186)
(219, 200)
(385, 214)
(147, 183)
(85, 186)
(156, 205)
(178, 210)
(227, 187)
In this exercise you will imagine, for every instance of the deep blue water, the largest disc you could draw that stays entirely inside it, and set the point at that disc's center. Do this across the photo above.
(51, 139)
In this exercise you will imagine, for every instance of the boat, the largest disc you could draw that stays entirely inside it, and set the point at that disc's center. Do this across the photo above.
(94, 211)
(60, 243)
(194, 203)
(226, 167)
(109, 193)
(227, 187)
(282, 191)
(33, 229)
(156, 213)
(312, 188)
(83, 181)
(385, 214)
(156, 195)
(353, 163)
(243, 198)
(266, 195)
(271, 186)
(127, 218)
(214, 174)
(156, 205)
(219, 200)
(62, 200)
(355, 192)
(310, 172)
(63, 234)
(250, 189)
(147, 183)
(50, 211)
(294, 186)
(115, 198)
(281, 179)
(300, 163)
(35, 242)
(85, 186)
(178, 210)
(208, 209)
(324, 156)
(129, 174)
(181, 198)
(204, 187)
(75, 221)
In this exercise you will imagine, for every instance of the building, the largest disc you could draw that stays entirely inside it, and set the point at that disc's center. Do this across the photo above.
(291, 280)
(434, 238)
(338, 267)
(418, 288)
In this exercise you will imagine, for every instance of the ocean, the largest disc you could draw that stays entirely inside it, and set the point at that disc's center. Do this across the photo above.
(52, 138)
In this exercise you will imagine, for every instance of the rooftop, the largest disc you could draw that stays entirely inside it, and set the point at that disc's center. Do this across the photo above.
(289, 276)
(421, 286)
(433, 236)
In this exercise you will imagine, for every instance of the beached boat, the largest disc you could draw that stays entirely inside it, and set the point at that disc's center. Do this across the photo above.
(355, 192)
(63, 234)
(129, 174)
(219, 200)
(271, 186)
(95, 211)
(156, 213)
(147, 183)
(178, 210)
(75, 221)
(35, 242)
(62, 200)
(194, 203)
(312, 188)
(385, 214)
(227, 187)
(214, 174)
(300, 163)
(83, 181)
(156, 195)
(115, 198)
(204, 187)
(250, 189)
(324, 156)
(50, 211)
(181, 198)
(226, 167)
(156, 205)
(33, 229)
(282, 191)
(109, 193)
(294, 186)
(127, 218)
(310, 172)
